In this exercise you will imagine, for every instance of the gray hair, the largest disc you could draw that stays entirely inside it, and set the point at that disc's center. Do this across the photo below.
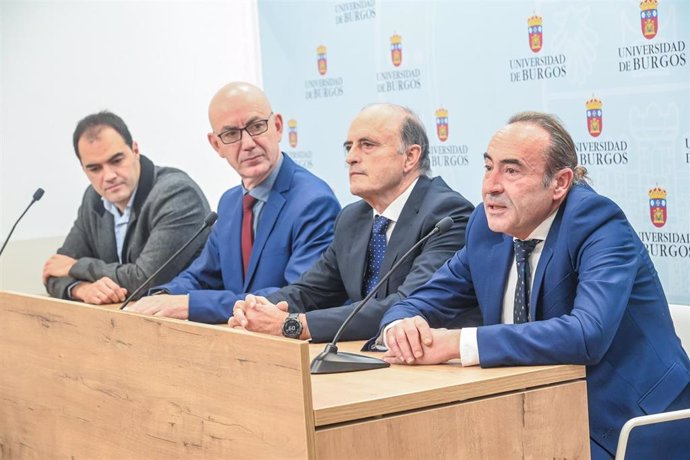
(561, 152)
(413, 132)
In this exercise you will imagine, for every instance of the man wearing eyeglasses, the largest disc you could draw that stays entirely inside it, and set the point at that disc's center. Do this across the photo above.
(387, 153)
(131, 219)
(270, 229)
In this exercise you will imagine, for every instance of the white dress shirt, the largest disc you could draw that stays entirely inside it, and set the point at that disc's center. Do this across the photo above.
(393, 211)
(120, 220)
(469, 349)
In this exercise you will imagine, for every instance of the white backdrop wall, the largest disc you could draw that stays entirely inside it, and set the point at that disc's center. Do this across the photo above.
(466, 66)
(154, 63)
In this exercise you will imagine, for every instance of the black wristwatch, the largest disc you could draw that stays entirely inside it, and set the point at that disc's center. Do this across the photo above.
(292, 327)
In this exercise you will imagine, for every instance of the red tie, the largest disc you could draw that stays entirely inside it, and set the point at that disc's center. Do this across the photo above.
(247, 231)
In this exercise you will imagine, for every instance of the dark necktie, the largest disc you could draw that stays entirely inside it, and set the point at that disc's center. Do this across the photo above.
(375, 252)
(522, 289)
(247, 229)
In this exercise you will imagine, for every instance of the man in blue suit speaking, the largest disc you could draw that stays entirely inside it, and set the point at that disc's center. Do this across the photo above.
(560, 277)
(270, 229)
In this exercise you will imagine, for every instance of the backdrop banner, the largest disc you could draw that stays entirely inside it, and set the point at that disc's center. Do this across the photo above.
(615, 72)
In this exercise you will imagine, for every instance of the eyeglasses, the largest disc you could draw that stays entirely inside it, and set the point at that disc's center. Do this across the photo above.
(230, 136)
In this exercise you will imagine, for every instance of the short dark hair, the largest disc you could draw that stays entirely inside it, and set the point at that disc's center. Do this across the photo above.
(92, 124)
(561, 152)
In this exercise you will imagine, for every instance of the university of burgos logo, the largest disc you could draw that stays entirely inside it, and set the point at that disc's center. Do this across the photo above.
(321, 59)
(595, 122)
(442, 124)
(292, 134)
(649, 18)
(535, 31)
(396, 50)
(657, 206)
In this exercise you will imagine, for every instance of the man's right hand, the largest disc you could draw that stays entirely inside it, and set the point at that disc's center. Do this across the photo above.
(103, 291)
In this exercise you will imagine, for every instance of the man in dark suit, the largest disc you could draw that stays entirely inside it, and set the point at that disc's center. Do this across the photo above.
(595, 299)
(388, 158)
(133, 216)
(270, 229)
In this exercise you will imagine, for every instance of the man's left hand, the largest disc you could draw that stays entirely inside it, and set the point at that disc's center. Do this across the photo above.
(444, 345)
(257, 314)
(57, 265)
(170, 306)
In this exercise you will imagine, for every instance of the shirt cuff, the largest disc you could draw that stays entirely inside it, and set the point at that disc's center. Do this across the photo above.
(69, 290)
(156, 291)
(469, 350)
(381, 344)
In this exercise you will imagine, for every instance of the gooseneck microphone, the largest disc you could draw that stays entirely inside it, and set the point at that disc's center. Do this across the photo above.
(208, 221)
(38, 194)
(329, 361)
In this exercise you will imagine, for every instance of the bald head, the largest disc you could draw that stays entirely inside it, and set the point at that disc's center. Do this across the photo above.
(410, 128)
(241, 108)
(238, 93)
(385, 147)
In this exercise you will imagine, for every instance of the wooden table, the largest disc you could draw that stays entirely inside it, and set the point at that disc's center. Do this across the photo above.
(447, 411)
(94, 382)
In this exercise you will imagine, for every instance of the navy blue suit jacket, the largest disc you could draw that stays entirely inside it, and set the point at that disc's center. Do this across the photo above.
(597, 300)
(331, 289)
(294, 228)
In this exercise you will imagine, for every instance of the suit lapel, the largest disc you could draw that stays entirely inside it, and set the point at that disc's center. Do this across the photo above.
(400, 240)
(147, 177)
(356, 257)
(107, 247)
(499, 257)
(544, 260)
(269, 216)
(232, 230)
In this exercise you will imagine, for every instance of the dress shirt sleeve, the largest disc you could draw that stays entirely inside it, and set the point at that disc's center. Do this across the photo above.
(469, 350)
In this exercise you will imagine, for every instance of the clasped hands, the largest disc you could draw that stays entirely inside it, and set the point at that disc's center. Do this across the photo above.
(257, 314)
(412, 341)
(99, 292)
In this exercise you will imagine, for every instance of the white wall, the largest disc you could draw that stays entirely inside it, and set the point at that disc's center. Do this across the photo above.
(155, 63)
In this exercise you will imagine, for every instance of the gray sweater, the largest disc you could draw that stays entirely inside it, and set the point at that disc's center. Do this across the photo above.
(169, 207)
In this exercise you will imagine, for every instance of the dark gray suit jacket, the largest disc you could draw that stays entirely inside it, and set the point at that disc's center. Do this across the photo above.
(167, 210)
(323, 291)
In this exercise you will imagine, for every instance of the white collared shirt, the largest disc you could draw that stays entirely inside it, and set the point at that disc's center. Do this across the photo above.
(469, 349)
(121, 221)
(393, 211)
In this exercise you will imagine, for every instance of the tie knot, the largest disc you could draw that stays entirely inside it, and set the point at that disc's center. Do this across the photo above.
(248, 201)
(380, 225)
(524, 248)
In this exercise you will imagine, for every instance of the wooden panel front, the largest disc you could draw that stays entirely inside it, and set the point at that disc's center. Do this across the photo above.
(548, 422)
(340, 398)
(89, 382)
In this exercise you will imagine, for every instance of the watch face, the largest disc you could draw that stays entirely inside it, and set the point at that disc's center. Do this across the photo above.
(292, 328)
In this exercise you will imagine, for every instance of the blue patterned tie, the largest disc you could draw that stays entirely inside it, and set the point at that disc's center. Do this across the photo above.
(375, 252)
(522, 289)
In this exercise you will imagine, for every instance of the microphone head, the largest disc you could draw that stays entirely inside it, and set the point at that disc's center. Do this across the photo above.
(38, 194)
(444, 224)
(210, 219)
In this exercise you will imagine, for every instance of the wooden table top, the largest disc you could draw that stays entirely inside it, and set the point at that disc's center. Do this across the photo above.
(357, 395)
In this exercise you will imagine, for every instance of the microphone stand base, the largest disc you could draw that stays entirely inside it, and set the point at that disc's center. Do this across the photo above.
(330, 361)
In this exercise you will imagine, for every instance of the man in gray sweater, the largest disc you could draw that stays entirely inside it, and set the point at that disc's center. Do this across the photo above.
(132, 218)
